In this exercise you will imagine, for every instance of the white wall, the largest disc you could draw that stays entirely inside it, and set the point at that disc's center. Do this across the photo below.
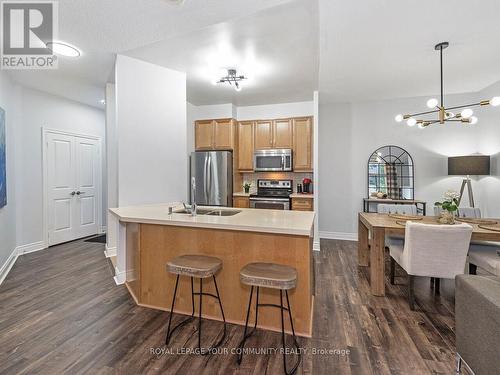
(349, 133)
(44, 110)
(271, 111)
(151, 123)
(112, 169)
(9, 101)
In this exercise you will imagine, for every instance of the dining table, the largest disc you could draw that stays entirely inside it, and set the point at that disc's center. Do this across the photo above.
(374, 227)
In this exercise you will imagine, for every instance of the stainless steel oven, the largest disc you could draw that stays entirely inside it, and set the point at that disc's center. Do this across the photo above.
(270, 203)
(272, 195)
(275, 160)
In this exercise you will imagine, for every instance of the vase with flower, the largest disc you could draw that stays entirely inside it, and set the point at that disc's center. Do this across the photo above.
(246, 186)
(449, 207)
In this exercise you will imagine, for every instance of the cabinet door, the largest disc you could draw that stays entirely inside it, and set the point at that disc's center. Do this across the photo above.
(224, 135)
(245, 146)
(263, 135)
(241, 202)
(302, 144)
(204, 135)
(282, 134)
(302, 204)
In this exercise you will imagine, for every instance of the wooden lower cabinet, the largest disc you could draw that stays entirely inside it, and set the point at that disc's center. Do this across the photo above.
(241, 202)
(302, 204)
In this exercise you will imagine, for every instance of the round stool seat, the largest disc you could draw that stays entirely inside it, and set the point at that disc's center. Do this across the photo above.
(200, 266)
(269, 275)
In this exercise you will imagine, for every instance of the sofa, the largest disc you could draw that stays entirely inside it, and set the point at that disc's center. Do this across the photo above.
(477, 320)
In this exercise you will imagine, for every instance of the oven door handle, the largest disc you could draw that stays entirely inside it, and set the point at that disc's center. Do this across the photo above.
(270, 199)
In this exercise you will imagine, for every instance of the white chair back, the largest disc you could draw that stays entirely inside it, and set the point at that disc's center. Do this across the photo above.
(400, 209)
(469, 212)
(465, 212)
(436, 250)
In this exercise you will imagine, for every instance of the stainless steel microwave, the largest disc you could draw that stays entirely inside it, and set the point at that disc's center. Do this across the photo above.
(273, 160)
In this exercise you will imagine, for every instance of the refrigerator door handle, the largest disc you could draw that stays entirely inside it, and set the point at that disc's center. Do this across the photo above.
(205, 178)
(209, 179)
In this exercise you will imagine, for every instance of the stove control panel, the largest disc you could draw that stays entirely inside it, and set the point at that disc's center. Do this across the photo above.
(277, 184)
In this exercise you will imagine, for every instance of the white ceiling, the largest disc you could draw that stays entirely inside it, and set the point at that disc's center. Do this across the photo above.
(365, 50)
(102, 28)
(277, 49)
(385, 49)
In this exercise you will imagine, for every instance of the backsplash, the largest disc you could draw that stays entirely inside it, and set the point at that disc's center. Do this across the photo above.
(297, 178)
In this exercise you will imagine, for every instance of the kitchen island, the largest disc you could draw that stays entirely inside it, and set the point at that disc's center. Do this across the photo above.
(149, 237)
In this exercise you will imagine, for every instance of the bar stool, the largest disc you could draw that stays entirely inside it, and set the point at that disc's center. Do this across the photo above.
(275, 276)
(201, 267)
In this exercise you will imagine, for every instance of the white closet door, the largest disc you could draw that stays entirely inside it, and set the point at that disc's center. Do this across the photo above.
(86, 152)
(61, 184)
(73, 187)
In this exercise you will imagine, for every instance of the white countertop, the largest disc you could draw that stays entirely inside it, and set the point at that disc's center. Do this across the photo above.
(242, 194)
(251, 220)
(301, 195)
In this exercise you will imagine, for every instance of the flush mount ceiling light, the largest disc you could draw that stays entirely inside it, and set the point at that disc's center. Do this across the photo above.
(175, 2)
(464, 113)
(232, 78)
(63, 49)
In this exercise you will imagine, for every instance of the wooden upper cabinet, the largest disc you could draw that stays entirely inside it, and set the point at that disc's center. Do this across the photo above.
(245, 145)
(224, 134)
(263, 135)
(204, 134)
(282, 134)
(302, 144)
(215, 134)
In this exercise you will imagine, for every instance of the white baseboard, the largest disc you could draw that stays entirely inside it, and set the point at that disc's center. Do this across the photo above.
(339, 236)
(109, 251)
(316, 246)
(31, 248)
(122, 276)
(19, 250)
(4, 270)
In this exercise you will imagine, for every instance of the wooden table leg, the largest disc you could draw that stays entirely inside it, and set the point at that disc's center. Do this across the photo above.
(363, 248)
(377, 264)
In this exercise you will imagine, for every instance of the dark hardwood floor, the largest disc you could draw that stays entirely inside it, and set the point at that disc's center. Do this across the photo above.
(61, 312)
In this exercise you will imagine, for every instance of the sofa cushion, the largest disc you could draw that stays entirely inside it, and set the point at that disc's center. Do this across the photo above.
(477, 314)
(486, 257)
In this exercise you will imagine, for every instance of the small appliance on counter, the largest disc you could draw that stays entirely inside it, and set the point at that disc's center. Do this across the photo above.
(272, 194)
(307, 186)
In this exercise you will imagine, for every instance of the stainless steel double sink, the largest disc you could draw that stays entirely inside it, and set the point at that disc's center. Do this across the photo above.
(210, 212)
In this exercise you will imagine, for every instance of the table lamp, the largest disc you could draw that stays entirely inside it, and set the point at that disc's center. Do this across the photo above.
(473, 165)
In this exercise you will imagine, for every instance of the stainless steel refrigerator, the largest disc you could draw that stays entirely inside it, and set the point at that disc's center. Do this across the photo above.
(213, 173)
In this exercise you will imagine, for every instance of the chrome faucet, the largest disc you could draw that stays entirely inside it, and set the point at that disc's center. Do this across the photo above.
(193, 196)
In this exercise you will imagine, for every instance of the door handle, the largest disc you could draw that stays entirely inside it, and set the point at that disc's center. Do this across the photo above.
(80, 192)
(72, 193)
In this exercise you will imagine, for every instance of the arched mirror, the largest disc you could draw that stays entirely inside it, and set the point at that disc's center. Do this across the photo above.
(390, 172)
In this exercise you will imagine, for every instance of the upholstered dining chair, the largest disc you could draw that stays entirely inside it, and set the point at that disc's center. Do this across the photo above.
(465, 212)
(401, 209)
(430, 250)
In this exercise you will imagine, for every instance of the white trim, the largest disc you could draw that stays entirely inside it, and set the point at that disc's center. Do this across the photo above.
(109, 251)
(6, 267)
(316, 246)
(30, 248)
(45, 189)
(18, 251)
(339, 236)
(122, 276)
(103, 229)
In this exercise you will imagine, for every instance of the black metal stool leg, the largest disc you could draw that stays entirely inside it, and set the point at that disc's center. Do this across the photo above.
(167, 339)
(183, 322)
(293, 333)
(199, 315)
(223, 319)
(242, 342)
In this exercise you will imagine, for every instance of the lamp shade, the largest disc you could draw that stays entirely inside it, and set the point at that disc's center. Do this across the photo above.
(474, 165)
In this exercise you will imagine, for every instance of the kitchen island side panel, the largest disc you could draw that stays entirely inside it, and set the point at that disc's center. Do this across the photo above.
(160, 243)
